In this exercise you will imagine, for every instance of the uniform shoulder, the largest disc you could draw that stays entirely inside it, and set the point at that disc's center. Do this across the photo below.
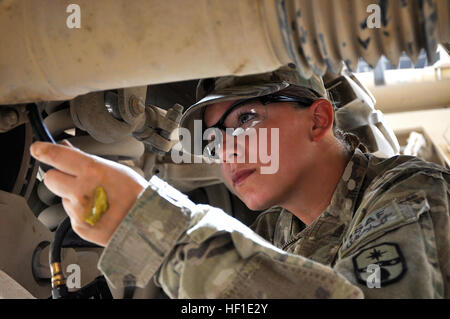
(402, 164)
(405, 198)
(387, 173)
(400, 190)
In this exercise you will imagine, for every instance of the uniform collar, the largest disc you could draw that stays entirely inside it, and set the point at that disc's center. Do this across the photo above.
(347, 191)
(339, 211)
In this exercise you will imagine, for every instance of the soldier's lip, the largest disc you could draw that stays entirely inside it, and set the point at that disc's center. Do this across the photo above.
(240, 176)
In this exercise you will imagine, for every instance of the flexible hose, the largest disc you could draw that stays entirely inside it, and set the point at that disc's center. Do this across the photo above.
(56, 244)
(97, 289)
(37, 123)
(59, 288)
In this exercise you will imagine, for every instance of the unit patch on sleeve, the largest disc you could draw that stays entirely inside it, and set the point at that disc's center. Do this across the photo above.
(387, 257)
(395, 214)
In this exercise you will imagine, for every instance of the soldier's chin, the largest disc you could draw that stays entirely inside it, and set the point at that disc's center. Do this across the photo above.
(254, 203)
(251, 199)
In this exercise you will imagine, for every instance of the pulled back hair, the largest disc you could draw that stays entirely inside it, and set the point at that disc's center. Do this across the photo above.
(348, 140)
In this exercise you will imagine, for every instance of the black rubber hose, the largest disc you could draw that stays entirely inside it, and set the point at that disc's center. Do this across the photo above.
(56, 244)
(37, 123)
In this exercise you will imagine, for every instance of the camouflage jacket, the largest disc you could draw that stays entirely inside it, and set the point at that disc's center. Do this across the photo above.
(385, 234)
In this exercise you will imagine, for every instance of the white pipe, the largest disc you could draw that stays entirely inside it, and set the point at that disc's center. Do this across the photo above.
(410, 89)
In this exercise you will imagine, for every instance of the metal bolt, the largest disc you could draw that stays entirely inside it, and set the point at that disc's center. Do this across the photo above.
(9, 117)
(175, 112)
(12, 117)
(137, 107)
(178, 108)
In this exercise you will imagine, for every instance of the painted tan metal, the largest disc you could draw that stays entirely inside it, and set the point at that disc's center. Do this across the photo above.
(412, 96)
(410, 89)
(11, 289)
(187, 177)
(45, 195)
(130, 43)
(126, 43)
(59, 121)
(52, 216)
(127, 147)
(433, 124)
(20, 233)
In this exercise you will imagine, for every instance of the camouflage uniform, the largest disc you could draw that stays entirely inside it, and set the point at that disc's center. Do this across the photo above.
(391, 214)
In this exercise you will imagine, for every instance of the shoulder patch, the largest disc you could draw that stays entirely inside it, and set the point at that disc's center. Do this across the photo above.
(396, 213)
(387, 257)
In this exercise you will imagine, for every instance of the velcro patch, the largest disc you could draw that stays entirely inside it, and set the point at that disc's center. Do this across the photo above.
(387, 257)
(391, 216)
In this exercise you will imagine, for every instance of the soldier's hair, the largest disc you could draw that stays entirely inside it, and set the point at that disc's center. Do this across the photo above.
(349, 140)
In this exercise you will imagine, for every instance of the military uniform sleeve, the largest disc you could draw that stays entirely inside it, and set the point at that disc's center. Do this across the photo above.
(198, 251)
(400, 248)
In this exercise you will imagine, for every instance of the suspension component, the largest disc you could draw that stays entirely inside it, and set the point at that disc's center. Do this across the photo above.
(11, 117)
(159, 126)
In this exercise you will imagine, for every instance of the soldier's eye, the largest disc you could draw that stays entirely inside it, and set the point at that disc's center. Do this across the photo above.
(245, 117)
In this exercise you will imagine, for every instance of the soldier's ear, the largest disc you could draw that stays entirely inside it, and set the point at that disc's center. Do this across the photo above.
(322, 119)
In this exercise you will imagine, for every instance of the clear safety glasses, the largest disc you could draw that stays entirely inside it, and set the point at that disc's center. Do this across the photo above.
(243, 115)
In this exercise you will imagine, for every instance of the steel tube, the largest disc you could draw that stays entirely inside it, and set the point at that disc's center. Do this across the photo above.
(133, 43)
(126, 43)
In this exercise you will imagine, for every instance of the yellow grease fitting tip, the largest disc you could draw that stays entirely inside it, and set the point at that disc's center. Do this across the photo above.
(100, 206)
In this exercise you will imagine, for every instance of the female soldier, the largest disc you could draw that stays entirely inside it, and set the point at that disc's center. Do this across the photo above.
(340, 224)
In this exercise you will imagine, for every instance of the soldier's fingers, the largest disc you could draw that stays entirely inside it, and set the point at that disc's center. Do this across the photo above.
(60, 184)
(66, 159)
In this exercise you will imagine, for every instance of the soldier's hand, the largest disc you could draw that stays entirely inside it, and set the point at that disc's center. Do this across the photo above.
(75, 179)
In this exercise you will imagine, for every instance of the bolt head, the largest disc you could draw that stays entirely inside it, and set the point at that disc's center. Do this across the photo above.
(11, 117)
(136, 106)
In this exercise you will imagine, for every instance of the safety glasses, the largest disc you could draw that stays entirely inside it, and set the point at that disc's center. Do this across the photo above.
(243, 115)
